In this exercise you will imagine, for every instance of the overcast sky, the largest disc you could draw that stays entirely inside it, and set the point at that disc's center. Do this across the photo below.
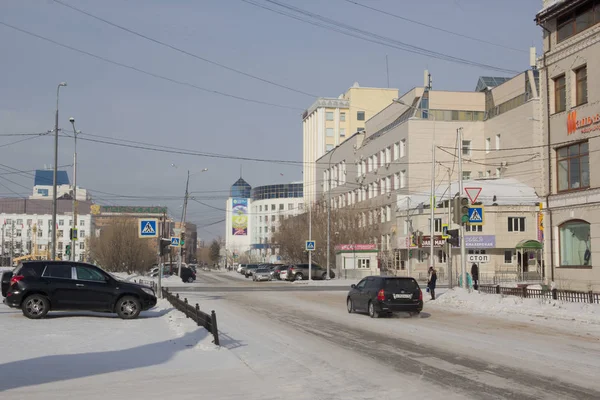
(116, 102)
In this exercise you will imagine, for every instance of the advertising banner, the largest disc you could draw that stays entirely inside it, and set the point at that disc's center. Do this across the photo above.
(239, 217)
(480, 242)
(356, 247)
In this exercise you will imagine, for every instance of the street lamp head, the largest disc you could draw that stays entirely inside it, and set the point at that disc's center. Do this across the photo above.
(399, 101)
(72, 120)
(173, 165)
(62, 84)
(205, 169)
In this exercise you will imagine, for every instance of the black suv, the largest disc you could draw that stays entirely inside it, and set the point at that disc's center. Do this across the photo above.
(385, 294)
(37, 287)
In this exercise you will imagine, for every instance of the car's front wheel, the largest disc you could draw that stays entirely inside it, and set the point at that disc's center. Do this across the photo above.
(372, 312)
(128, 307)
(35, 306)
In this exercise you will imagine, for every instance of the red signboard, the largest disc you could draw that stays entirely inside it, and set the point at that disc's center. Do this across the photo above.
(356, 247)
(586, 124)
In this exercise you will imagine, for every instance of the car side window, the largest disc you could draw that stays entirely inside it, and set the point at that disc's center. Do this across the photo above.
(371, 283)
(58, 271)
(89, 274)
(361, 284)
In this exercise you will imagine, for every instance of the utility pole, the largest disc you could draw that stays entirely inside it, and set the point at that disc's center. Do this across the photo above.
(74, 225)
(183, 215)
(410, 230)
(309, 238)
(432, 207)
(12, 242)
(463, 251)
(54, 174)
(449, 252)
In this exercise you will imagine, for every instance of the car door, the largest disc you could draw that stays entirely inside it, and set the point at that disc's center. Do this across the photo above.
(61, 286)
(94, 290)
(370, 290)
(358, 295)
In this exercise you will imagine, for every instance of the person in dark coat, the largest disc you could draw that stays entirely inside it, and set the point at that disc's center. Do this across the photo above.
(431, 283)
(475, 275)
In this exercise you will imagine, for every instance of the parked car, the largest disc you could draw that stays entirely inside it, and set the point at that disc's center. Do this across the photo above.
(283, 273)
(242, 269)
(262, 274)
(300, 272)
(37, 287)
(187, 275)
(378, 295)
(276, 271)
(250, 268)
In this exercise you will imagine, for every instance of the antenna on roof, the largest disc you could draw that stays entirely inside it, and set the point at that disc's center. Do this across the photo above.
(532, 58)
(240, 171)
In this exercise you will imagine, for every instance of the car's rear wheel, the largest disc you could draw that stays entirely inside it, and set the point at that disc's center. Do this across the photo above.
(35, 306)
(190, 279)
(350, 305)
(372, 312)
(128, 307)
(298, 276)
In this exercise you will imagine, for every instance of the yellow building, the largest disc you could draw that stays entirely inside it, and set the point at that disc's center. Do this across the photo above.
(329, 121)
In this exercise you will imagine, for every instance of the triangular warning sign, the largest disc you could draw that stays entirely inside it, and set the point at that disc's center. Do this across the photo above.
(475, 216)
(473, 193)
(148, 228)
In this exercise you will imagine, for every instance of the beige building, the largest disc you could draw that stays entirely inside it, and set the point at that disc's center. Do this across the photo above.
(571, 115)
(330, 121)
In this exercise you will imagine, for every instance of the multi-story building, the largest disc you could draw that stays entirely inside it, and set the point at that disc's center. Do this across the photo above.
(377, 170)
(237, 224)
(571, 117)
(27, 227)
(271, 204)
(330, 121)
(43, 186)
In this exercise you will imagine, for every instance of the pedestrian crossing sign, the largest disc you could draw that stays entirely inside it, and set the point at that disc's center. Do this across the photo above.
(476, 215)
(148, 228)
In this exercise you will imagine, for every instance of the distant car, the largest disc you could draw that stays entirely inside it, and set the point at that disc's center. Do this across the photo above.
(250, 268)
(187, 275)
(300, 272)
(378, 295)
(37, 287)
(262, 274)
(242, 269)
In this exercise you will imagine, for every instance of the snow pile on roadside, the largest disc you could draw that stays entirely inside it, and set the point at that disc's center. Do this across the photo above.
(491, 304)
(185, 327)
(331, 282)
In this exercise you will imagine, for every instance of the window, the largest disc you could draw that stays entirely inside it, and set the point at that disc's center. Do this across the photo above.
(441, 256)
(273, 207)
(61, 233)
(40, 233)
(581, 95)
(329, 115)
(19, 233)
(360, 115)
(300, 206)
(388, 155)
(488, 145)
(437, 224)
(29, 222)
(388, 213)
(575, 244)
(343, 117)
(560, 94)
(329, 147)
(473, 228)
(40, 222)
(577, 21)
(466, 147)
(70, 222)
(466, 175)
(57, 271)
(360, 129)
(329, 132)
(402, 147)
(89, 274)
(402, 179)
(573, 167)
(290, 206)
(507, 256)
(81, 234)
(60, 246)
(382, 215)
(8, 221)
(396, 151)
(516, 224)
(281, 207)
(498, 142)
(259, 208)
(81, 222)
(19, 221)
(498, 173)
(61, 222)
(364, 263)
(343, 132)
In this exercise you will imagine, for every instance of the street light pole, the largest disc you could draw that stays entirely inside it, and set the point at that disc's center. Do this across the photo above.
(183, 215)
(74, 224)
(55, 173)
(329, 210)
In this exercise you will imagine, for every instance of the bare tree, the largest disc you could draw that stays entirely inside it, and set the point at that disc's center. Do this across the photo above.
(348, 226)
(215, 251)
(118, 248)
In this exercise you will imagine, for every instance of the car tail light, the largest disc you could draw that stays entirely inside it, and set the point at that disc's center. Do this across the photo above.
(420, 295)
(381, 295)
(15, 279)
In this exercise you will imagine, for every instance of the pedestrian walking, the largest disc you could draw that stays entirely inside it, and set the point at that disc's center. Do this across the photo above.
(475, 275)
(431, 282)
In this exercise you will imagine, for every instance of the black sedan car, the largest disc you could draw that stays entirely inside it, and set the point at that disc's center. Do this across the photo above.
(378, 295)
(37, 287)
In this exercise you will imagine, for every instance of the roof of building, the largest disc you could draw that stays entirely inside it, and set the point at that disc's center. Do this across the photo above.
(488, 82)
(552, 7)
(501, 192)
(240, 188)
(45, 177)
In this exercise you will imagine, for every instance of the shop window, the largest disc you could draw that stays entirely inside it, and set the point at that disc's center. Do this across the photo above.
(575, 244)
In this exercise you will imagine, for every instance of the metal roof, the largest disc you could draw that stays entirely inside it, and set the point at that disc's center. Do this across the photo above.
(45, 177)
(488, 82)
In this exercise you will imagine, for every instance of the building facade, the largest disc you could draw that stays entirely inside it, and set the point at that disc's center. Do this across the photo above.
(571, 117)
(330, 121)
(43, 186)
(238, 225)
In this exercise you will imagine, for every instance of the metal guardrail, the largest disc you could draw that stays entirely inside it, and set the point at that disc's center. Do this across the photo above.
(550, 294)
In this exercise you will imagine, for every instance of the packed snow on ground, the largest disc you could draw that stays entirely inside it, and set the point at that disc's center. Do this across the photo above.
(491, 304)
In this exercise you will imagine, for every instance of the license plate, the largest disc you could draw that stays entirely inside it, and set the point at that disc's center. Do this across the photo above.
(402, 296)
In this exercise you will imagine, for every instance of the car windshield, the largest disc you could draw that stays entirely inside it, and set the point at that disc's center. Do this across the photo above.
(395, 284)
(262, 270)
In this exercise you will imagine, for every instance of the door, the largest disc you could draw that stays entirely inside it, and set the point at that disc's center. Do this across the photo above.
(359, 298)
(94, 290)
(370, 291)
(61, 286)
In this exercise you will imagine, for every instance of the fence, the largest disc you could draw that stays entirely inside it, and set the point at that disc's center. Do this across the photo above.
(550, 294)
(208, 321)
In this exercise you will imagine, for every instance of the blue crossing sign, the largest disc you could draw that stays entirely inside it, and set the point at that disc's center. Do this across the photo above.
(175, 242)
(476, 215)
(148, 227)
(310, 245)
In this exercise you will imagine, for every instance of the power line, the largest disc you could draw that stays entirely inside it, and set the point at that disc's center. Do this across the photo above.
(437, 28)
(152, 74)
(183, 51)
(541, 146)
(349, 30)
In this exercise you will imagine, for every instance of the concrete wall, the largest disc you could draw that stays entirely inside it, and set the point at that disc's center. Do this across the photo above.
(463, 101)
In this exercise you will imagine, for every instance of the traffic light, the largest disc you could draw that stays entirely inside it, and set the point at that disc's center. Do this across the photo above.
(453, 239)
(182, 239)
(460, 206)
(68, 250)
(164, 246)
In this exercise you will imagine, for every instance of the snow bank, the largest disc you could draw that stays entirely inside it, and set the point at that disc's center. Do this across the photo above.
(331, 282)
(492, 304)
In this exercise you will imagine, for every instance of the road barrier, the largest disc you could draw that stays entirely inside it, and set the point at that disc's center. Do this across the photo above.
(208, 321)
(550, 294)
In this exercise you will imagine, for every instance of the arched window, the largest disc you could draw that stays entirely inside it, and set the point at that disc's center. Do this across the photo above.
(575, 243)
